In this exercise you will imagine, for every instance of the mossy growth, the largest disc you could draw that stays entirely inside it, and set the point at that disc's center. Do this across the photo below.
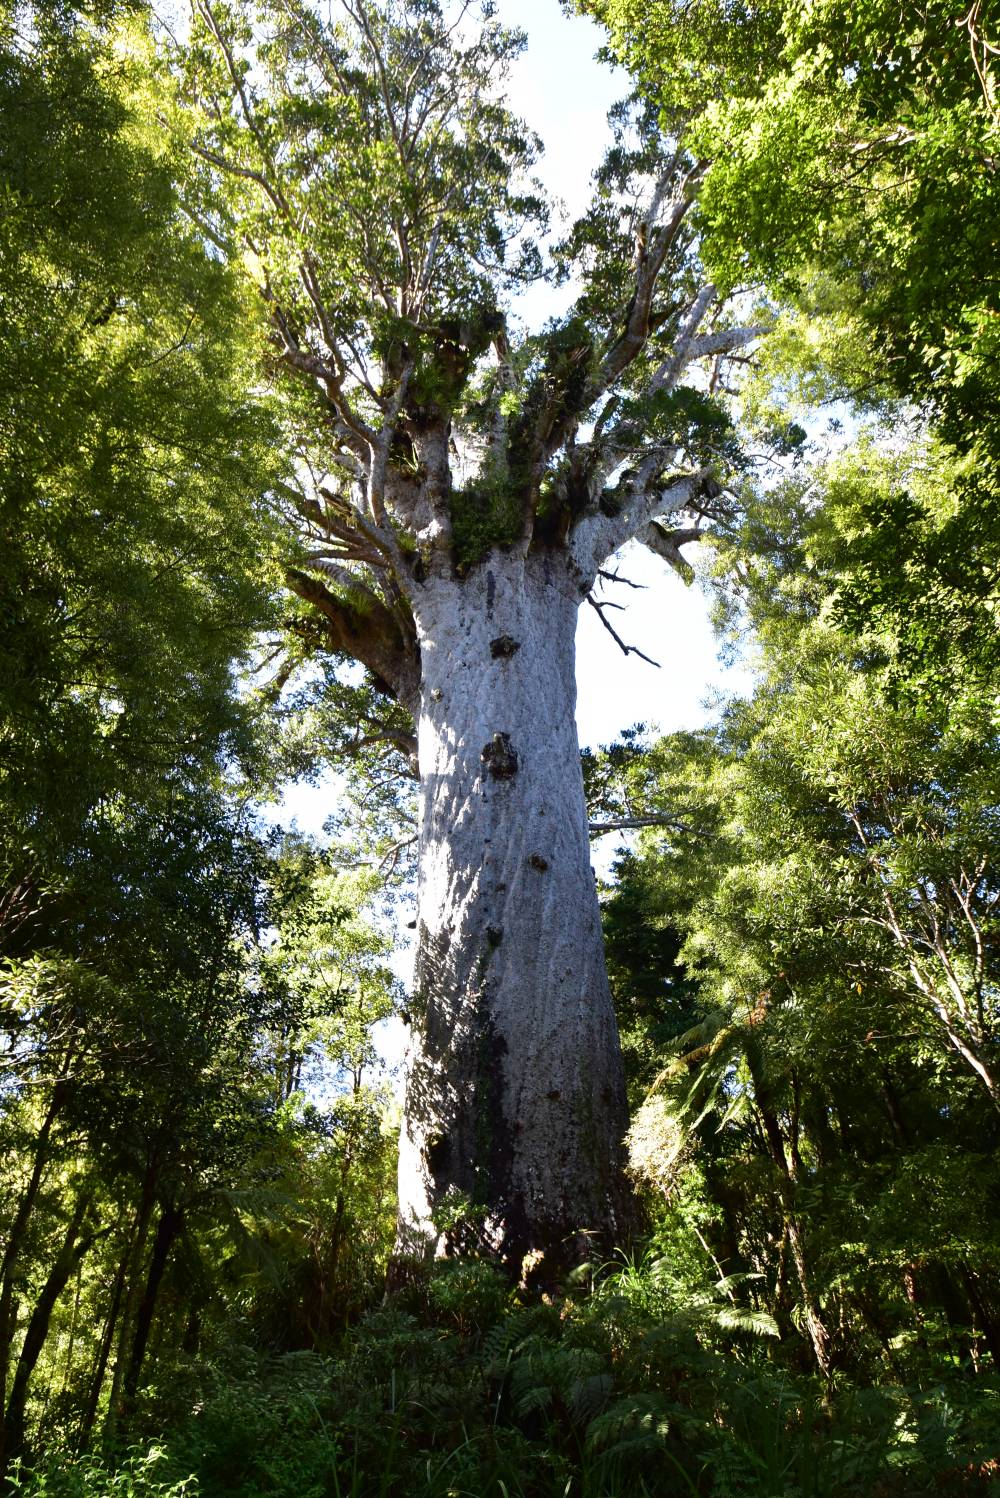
(484, 515)
(554, 511)
(442, 356)
(553, 391)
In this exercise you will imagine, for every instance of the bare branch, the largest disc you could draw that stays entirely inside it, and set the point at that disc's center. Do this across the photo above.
(626, 649)
(389, 860)
(652, 253)
(233, 170)
(272, 189)
(632, 824)
(671, 369)
(616, 577)
(329, 380)
(725, 341)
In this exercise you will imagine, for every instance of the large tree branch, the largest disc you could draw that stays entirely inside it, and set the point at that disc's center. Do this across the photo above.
(689, 346)
(672, 368)
(331, 565)
(653, 251)
(367, 631)
(667, 543)
(559, 418)
(725, 341)
(598, 537)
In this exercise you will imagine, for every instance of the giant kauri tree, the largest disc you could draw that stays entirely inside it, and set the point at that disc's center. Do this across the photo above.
(457, 488)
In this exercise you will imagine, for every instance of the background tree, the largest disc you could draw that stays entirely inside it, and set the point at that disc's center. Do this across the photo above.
(832, 860)
(127, 1053)
(327, 967)
(134, 568)
(850, 166)
(132, 582)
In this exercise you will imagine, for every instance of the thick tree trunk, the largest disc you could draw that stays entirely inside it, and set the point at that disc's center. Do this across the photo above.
(515, 1107)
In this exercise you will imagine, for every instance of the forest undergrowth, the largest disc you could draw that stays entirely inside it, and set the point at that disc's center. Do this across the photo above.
(634, 1381)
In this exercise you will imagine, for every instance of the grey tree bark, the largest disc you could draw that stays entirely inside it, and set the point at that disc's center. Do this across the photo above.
(515, 1107)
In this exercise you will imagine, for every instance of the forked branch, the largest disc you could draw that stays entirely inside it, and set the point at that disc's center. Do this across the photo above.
(626, 649)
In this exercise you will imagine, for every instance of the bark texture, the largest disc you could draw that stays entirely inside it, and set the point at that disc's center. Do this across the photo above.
(515, 1107)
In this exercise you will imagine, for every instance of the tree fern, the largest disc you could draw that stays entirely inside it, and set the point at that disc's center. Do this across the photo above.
(574, 1376)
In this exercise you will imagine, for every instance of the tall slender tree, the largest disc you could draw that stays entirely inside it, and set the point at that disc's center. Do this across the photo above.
(461, 487)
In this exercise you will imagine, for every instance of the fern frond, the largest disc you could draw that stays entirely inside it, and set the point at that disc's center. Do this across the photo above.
(589, 1395)
(741, 1319)
(730, 1281)
(635, 1419)
(544, 1372)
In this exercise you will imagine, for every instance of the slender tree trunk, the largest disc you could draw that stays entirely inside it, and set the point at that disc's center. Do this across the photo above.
(819, 1336)
(74, 1323)
(338, 1232)
(981, 1312)
(329, 1279)
(873, 1317)
(144, 1216)
(69, 1256)
(167, 1229)
(104, 1351)
(893, 1108)
(816, 1327)
(17, 1232)
(515, 1106)
(191, 1340)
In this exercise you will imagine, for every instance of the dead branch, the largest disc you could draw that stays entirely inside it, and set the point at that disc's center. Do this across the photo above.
(626, 649)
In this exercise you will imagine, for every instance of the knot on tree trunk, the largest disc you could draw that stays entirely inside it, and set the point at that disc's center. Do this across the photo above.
(503, 647)
(500, 757)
